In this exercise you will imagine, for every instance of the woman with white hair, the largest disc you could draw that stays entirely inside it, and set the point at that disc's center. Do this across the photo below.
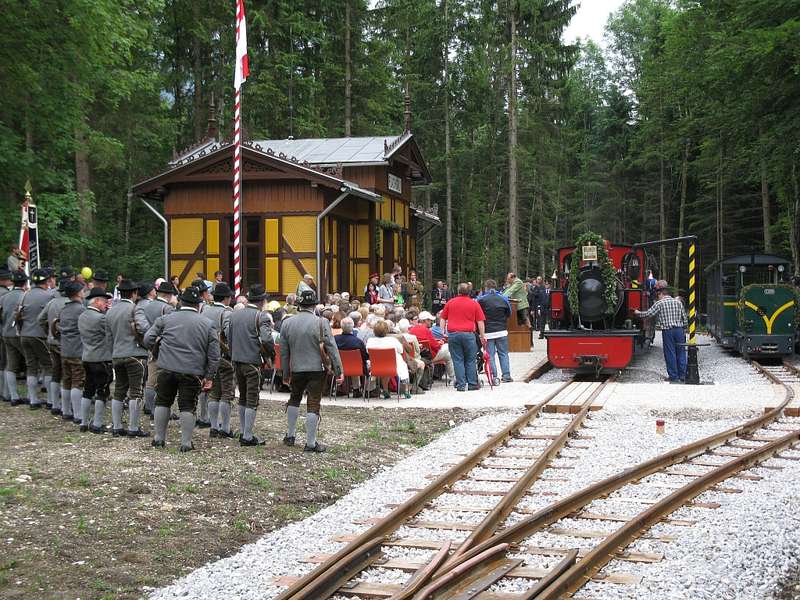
(403, 326)
(383, 341)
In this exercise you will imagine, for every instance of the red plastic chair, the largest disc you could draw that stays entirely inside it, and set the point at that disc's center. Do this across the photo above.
(353, 366)
(383, 363)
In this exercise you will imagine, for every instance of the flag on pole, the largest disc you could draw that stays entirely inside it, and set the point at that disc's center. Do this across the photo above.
(28, 233)
(240, 75)
(242, 64)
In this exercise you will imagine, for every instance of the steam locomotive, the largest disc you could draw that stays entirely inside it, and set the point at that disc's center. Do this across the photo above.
(603, 334)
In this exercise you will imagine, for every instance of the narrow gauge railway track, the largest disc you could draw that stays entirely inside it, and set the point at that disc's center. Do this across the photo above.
(689, 470)
(514, 458)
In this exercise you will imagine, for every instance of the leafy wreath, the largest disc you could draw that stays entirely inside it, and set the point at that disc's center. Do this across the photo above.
(607, 271)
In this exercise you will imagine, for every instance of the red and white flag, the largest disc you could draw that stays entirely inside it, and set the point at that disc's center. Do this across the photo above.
(242, 66)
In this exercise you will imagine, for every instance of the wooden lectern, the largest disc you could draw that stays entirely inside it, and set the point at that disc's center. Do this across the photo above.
(519, 336)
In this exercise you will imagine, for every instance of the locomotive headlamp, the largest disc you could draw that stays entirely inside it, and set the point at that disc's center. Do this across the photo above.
(742, 268)
(780, 268)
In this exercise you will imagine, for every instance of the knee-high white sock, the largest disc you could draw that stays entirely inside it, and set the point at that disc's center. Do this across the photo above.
(116, 414)
(312, 422)
(150, 399)
(99, 411)
(55, 394)
(134, 407)
(48, 379)
(187, 426)
(3, 386)
(249, 423)
(161, 420)
(66, 402)
(225, 417)
(291, 418)
(33, 393)
(213, 412)
(202, 407)
(241, 417)
(86, 406)
(11, 384)
(75, 396)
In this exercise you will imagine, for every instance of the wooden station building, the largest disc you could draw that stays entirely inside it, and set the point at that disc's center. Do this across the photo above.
(338, 209)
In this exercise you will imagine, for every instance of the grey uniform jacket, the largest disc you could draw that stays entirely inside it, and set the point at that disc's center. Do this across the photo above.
(95, 336)
(220, 317)
(119, 319)
(300, 344)
(156, 308)
(71, 346)
(189, 343)
(8, 308)
(245, 338)
(140, 315)
(49, 314)
(32, 304)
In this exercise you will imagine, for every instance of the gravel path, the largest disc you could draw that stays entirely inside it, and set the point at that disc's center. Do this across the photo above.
(742, 550)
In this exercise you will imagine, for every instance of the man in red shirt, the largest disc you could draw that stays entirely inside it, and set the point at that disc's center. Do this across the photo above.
(460, 317)
(440, 351)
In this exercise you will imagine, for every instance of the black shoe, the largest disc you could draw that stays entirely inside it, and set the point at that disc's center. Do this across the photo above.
(507, 380)
(202, 424)
(473, 388)
(425, 388)
(188, 448)
(3, 399)
(541, 337)
(147, 411)
(461, 389)
(35, 406)
(16, 402)
(157, 444)
(676, 381)
(84, 428)
(76, 421)
(225, 434)
(55, 411)
(174, 417)
(356, 393)
(66, 417)
(288, 440)
(213, 433)
(138, 433)
(316, 448)
(97, 430)
(253, 441)
(119, 432)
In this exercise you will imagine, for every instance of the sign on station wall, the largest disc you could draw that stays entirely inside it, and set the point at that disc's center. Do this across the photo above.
(395, 184)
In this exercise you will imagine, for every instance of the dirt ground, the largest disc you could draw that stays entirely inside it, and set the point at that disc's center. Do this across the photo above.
(89, 516)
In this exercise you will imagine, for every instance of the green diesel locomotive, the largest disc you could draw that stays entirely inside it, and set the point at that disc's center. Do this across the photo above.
(752, 305)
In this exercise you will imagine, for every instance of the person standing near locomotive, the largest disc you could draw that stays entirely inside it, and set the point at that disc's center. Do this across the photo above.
(517, 290)
(671, 321)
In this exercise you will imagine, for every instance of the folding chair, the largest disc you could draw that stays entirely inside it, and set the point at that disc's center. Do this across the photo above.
(383, 363)
(353, 366)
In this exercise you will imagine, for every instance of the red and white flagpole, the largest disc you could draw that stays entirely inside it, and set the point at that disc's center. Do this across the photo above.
(242, 71)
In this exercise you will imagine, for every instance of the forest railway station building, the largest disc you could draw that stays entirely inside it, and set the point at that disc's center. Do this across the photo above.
(287, 185)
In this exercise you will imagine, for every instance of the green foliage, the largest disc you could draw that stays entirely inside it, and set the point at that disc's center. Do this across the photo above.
(606, 269)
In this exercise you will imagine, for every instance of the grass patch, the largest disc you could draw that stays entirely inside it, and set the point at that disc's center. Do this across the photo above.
(293, 512)
(83, 526)
(241, 525)
(190, 488)
(260, 482)
(331, 473)
(405, 426)
(83, 480)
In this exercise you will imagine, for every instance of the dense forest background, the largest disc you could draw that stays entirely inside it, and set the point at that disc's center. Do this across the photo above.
(686, 121)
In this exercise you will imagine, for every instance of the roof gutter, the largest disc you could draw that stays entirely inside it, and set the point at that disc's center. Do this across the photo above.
(345, 193)
(166, 234)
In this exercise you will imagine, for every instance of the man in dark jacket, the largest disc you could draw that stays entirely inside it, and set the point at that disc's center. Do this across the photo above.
(544, 307)
(302, 339)
(497, 310)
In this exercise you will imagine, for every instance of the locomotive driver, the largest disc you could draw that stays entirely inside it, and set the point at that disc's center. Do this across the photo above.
(671, 322)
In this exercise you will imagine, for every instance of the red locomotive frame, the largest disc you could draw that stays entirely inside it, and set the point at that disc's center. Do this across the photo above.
(607, 346)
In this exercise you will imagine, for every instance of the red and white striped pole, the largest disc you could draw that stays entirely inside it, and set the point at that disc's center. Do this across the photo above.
(237, 191)
(242, 71)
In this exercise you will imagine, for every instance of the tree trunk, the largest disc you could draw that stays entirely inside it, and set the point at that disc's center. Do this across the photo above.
(720, 226)
(197, 75)
(86, 223)
(529, 241)
(428, 246)
(682, 211)
(513, 235)
(540, 216)
(793, 221)
(447, 163)
(765, 207)
(348, 107)
(662, 213)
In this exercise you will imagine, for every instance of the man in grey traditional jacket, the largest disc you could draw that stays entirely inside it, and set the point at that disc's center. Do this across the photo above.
(250, 337)
(33, 337)
(71, 347)
(57, 397)
(5, 287)
(163, 304)
(220, 397)
(15, 359)
(129, 358)
(188, 359)
(302, 339)
(97, 350)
